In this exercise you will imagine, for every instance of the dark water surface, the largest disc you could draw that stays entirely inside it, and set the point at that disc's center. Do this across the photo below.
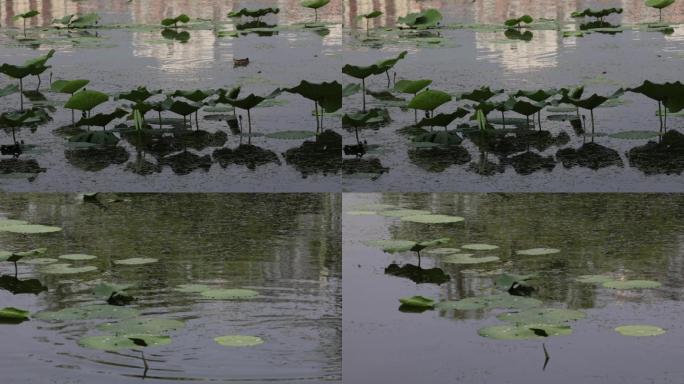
(472, 51)
(128, 51)
(630, 236)
(286, 247)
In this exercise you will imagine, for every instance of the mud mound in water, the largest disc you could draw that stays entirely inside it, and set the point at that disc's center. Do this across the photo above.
(372, 166)
(10, 166)
(529, 162)
(248, 155)
(665, 157)
(589, 155)
(96, 158)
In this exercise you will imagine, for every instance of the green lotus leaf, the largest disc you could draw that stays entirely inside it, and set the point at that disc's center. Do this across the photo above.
(136, 261)
(524, 332)
(88, 312)
(84, 21)
(14, 71)
(403, 212)
(40, 261)
(327, 95)
(480, 247)
(115, 343)
(105, 290)
(182, 108)
(371, 15)
(391, 246)
(442, 119)
(37, 64)
(11, 315)
(182, 18)
(538, 95)
(77, 256)
(537, 251)
(426, 19)
(411, 86)
(481, 94)
(102, 119)
(467, 258)
(350, 89)
(361, 213)
(10, 222)
(194, 96)
(86, 100)
(374, 116)
(254, 12)
(361, 72)
(192, 288)
(150, 325)
(432, 219)
(593, 279)
(417, 302)
(659, 4)
(526, 108)
(8, 90)
(430, 243)
(247, 102)
(32, 252)
(443, 251)
(314, 4)
(66, 269)
(631, 284)
(387, 64)
(68, 86)
(670, 94)
(543, 315)
(634, 135)
(29, 228)
(229, 294)
(527, 19)
(429, 100)
(639, 330)
(139, 94)
(26, 15)
(238, 341)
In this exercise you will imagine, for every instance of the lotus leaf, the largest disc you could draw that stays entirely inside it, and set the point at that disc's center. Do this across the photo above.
(149, 325)
(229, 294)
(543, 315)
(88, 312)
(524, 332)
(417, 302)
(537, 251)
(432, 219)
(115, 343)
(238, 341)
(639, 330)
(631, 284)
(136, 261)
(66, 269)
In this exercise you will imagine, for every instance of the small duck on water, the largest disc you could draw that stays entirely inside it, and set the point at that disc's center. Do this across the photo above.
(241, 62)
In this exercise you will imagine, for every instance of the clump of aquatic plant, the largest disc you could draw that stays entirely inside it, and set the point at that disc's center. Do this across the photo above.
(659, 5)
(518, 21)
(368, 17)
(85, 101)
(13, 257)
(412, 87)
(442, 119)
(173, 22)
(315, 4)
(196, 97)
(326, 95)
(247, 103)
(18, 119)
(428, 18)
(254, 13)
(670, 97)
(375, 69)
(429, 100)
(597, 13)
(590, 103)
(69, 87)
(26, 15)
(78, 21)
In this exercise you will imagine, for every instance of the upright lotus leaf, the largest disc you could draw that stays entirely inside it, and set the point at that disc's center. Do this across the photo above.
(442, 119)
(224, 96)
(182, 18)
(68, 86)
(8, 90)
(670, 95)
(182, 108)
(196, 95)
(26, 15)
(314, 4)
(17, 119)
(659, 5)
(64, 20)
(429, 100)
(327, 95)
(86, 100)
(538, 95)
(17, 72)
(84, 21)
(387, 64)
(102, 119)
(516, 22)
(256, 13)
(138, 95)
(350, 89)
(481, 94)
(11, 315)
(359, 120)
(362, 73)
(370, 15)
(421, 20)
(411, 86)
(597, 13)
(248, 103)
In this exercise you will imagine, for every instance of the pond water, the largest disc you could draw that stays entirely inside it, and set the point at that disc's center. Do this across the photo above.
(285, 247)
(623, 236)
(128, 50)
(472, 50)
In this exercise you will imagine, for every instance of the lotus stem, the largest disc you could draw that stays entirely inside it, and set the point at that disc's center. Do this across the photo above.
(363, 94)
(315, 15)
(160, 120)
(546, 356)
(196, 121)
(16, 270)
(527, 117)
(249, 124)
(14, 138)
(21, 95)
(144, 363)
(318, 125)
(24, 27)
(367, 27)
(591, 111)
(665, 119)
(39, 82)
(660, 116)
(503, 119)
(356, 130)
(388, 78)
(539, 120)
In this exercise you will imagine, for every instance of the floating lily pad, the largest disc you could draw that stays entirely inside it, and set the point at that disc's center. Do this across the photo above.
(443, 251)
(12, 222)
(593, 279)
(192, 288)
(105, 290)
(432, 219)
(11, 315)
(149, 325)
(537, 251)
(524, 332)
(417, 302)
(239, 341)
(136, 261)
(631, 284)
(503, 301)
(467, 258)
(66, 269)
(543, 316)
(639, 330)
(77, 256)
(229, 294)
(634, 135)
(391, 246)
(115, 343)
(39, 261)
(291, 135)
(361, 213)
(29, 228)
(480, 247)
(404, 212)
(88, 312)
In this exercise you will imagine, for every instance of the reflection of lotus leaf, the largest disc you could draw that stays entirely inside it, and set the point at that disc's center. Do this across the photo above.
(142, 325)
(88, 312)
(238, 341)
(537, 251)
(631, 284)
(432, 219)
(639, 330)
(524, 332)
(115, 343)
(136, 261)
(229, 294)
(543, 315)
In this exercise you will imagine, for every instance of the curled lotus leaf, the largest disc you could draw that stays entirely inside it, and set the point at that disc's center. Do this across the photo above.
(417, 302)
(11, 315)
